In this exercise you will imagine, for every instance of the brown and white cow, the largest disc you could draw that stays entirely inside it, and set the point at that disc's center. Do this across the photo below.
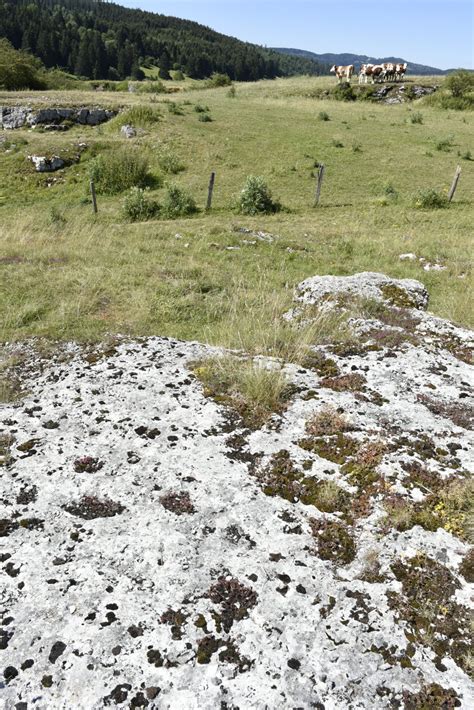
(400, 70)
(364, 72)
(389, 71)
(343, 73)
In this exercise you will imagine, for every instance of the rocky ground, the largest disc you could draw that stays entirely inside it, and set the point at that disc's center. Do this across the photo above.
(159, 552)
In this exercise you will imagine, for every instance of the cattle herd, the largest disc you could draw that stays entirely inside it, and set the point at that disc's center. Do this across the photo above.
(376, 72)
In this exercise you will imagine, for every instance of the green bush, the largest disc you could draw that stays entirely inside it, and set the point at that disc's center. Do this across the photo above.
(170, 163)
(152, 87)
(115, 172)
(445, 144)
(430, 199)
(460, 83)
(137, 206)
(139, 116)
(218, 80)
(256, 198)
(336, 143)
(323, 116)
(19, 70)
(175, 109)
(204, 118)
(467, 155)
(178, 75)
(177, 203)
(232, 93)
(344, 92)
(201, 109)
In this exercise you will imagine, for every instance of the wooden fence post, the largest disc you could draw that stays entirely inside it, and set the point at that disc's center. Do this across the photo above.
(94, 198)
(454, 184)
(210, 190)
(320, 167)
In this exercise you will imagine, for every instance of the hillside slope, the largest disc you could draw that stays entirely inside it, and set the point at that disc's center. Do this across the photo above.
(107, 41)
(358, 59)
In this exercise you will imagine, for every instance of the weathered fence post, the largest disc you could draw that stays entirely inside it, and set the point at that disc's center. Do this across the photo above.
(320, 167)
(94, 198)
(454, 184)
(210, 190)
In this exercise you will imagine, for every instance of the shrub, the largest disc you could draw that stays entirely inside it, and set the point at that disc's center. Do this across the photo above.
(170, 163)
(356, 147)
(344, 92)
(444, 144)
(336, 143)
(256, 198)
(323, 116)
(118, 171)
(177, 203)
(178, 75)
(218, 80)
(430, 199)
(140, 116)
(18, 69)
(460, 83)
(152, 87)
(138, 207)
(201, 109)
(175, 109)
(204, 118)
(467, 155)
(416, 117)
(231, 94)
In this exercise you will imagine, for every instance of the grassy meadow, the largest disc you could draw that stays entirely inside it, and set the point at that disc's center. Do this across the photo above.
(66, 273)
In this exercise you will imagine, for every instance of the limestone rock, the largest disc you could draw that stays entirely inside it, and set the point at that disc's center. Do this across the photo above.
(128, 131)
(318, 290)
(13, 116)
(44, 164)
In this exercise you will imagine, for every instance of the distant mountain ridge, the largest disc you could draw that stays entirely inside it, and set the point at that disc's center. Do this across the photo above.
(358, 59)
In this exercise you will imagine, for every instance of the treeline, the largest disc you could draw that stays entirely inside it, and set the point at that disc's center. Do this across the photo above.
(106, 41)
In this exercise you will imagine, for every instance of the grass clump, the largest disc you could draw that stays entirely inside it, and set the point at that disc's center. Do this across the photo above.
(253, 391)
(334, 542)
(337, 143)
(177, 203)
(118, 171)
(170, 163)
(450, 507)
(256, 197)
(204, 118)
(416, 117)
(199, 108)
(143, 116)
(326, 422)
(138, 207)
(444, 144)
(323, 116)
(430, 199)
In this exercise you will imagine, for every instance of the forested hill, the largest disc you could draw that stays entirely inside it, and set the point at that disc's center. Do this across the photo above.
(101, 40)
(358, 59)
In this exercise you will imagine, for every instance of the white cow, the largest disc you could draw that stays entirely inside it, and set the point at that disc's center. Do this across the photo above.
(343, 73)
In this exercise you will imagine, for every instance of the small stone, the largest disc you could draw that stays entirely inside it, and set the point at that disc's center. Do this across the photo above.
(294, 664)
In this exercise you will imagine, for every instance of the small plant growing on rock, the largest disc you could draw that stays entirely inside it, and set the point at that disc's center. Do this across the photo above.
(334, 542)
(353, 382)
(178, 503)
(326, 422)
(256, 198)
(234, 598)
(90, 507)
(87, 464)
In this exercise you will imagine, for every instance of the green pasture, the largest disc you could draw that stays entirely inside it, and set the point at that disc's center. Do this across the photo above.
(66, 273)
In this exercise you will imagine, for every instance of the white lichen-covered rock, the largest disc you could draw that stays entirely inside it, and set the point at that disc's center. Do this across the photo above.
(13, 116)
(128, 131)
(157, 553)
(320, 289)
(20, 116)
(44, 164)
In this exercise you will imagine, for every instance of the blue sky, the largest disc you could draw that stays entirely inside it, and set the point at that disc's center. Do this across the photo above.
(434, 32)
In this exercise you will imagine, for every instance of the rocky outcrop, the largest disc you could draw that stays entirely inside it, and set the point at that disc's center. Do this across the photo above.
(20, 116)
(47, 165)
(128, 131)
(401, 93)
(159, 553)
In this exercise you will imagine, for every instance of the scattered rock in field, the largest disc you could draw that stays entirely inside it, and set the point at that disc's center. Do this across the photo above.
(47, 165)
(261, 236)
(128, 131)
(427, 266)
